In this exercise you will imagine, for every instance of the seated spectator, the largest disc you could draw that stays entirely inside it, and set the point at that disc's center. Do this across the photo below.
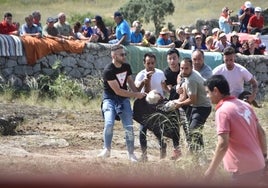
(86, 28)
(29, 28)
(145, 39)
(63, 27)
(152, 40)
(198, 43)
(244, 14)
(210, 44)
(252, 48)
(222, 43)
(122, 31)
(172, 36)
(204, 34)
(163, 40)
(256, 22)
(78, 35)
(195, 32)
(7, 27)
(215, 35)
(101, 29)
(188, 37)
(50, 30)
(135, 34)
(181, 41)
(36, 20)
(235, 43)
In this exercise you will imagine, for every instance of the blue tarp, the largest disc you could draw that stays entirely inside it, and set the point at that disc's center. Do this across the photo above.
(135, 57)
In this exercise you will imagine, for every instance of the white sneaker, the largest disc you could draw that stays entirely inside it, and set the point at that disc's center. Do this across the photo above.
(105, 153)
(132, 157)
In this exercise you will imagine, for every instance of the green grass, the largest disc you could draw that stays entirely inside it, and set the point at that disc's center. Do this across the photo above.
(186, 12)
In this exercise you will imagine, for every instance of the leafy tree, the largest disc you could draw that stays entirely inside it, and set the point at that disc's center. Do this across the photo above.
(148, 10)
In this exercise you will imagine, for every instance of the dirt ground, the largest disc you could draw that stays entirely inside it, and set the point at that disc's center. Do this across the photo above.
(64, 143)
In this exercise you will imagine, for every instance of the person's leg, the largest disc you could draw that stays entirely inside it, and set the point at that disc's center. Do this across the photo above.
(109, 118)
(143, 142)
(126, 117)
(198, 118)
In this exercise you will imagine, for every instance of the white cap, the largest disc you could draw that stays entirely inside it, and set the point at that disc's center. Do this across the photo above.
(215, 30)
(258, 9)
(248, 4)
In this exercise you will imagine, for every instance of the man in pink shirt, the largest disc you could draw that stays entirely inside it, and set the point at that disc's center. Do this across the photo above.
(241, 140)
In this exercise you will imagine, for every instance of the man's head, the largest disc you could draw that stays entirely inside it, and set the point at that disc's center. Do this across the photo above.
(149, 61)
(217, 88)
(29, 20)
(118, 17)
(229, 57)
(198, 59)
(61, 17)
(8, 17)
(205, 30)
(173, 59)
(118, 54)
(186, 67)
(87, 21)
(36, 16)
(136, 26)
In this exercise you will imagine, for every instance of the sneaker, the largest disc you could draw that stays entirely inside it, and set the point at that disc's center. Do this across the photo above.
(163, 151)
(105, 153)
(176, 154)
(132, 157)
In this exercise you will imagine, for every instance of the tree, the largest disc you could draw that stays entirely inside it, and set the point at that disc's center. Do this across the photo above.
(148, 10)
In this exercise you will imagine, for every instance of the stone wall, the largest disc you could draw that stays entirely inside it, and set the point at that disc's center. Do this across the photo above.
(15, 70)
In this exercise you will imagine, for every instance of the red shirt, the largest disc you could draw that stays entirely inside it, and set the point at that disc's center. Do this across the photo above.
(254, 22)
(6, 28)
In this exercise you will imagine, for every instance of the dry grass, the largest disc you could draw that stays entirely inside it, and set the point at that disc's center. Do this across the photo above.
(186, 12)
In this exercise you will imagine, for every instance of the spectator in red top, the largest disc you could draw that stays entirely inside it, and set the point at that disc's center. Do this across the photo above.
(256, 22)
(7, 27)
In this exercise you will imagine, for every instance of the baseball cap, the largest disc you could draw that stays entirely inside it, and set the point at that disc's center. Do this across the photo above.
(117, 14)
(87, 20)
(248, 4)
(50, 19)
(222, 35)
(214, 30)
(258, 9)
(198, 36)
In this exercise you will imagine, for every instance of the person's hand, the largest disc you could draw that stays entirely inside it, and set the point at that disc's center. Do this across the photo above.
(140, 95)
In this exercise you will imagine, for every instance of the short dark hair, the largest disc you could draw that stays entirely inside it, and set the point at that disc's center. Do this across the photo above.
(198, 50)
(8, 14)
(172, 51)
(188, 60)
(149, 54)
(218, 81)
(228, 50)
(116, 47)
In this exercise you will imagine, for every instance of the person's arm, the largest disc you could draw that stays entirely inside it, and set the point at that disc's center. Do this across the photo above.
(121, 41)
(191, 99)
(221, 148)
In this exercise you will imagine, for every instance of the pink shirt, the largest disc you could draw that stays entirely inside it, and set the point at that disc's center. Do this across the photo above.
(236, 118)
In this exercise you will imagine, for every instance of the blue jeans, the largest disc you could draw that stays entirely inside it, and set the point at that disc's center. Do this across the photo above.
(110, 109)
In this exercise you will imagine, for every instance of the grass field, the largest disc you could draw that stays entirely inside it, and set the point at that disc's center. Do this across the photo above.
(186, 12)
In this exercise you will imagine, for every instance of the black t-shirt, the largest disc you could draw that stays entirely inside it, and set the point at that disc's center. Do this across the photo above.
(113, 73)
(171, 79)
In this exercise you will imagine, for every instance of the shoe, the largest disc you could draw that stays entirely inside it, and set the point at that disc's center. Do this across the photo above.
(105, 153)
(176, 154)
(163, 151)
(132, 157)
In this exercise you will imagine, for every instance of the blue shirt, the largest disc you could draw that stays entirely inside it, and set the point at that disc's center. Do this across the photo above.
(224, 26)
(31, 30)
(161, 41)
(88, 29)
(136, 37)
(123, 29)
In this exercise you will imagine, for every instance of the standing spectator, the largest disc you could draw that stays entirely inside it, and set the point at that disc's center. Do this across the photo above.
(222, 43)
(199, 65)
(7, 27)
(37, 20)
(122, 32)
(147, 80)
(235, 43)
(197, 104)
(244, 14)
(63, 27)
(136, 36)
(256, 22)
(29, 28)
(242, 141)
(86, 28)
(117, 78)
(236, 74)
(252, 48)
(225, 21)
(163, 40)
(101, 29)
(181, 41)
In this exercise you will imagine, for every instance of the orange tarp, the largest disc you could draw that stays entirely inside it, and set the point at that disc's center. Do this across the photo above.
(36, 48)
